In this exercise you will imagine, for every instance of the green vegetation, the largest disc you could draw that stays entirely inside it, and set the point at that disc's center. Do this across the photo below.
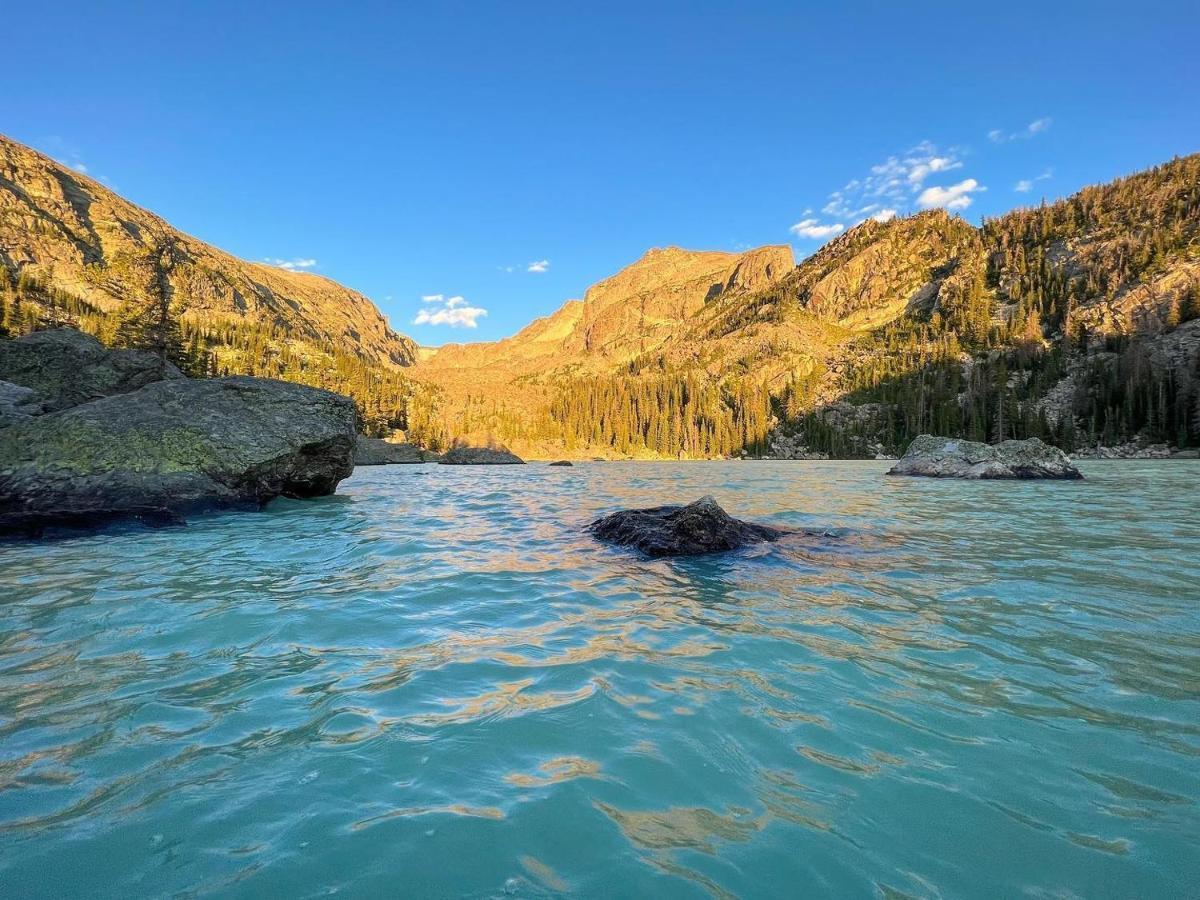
(211, 345)
(1049, 304)
(668, 415)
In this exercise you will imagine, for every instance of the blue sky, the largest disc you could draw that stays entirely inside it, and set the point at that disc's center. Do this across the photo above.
(505, 156)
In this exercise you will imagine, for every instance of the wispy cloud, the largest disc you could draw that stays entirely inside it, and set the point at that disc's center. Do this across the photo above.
(1025, 185)
(814, 230)
(538, 267)
(453, 311)
(1033, 129)
(956, 196)
(299, 264)
(889, 189)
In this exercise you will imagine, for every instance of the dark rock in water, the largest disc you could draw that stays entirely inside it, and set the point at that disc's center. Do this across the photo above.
(18, 404)
(378, 452)
(700, 527)
(562, 462)
(171, 448)
(65, 367)
(940, 457)
(480, 456)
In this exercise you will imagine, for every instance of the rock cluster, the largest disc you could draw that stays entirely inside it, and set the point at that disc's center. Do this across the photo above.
(65, 367)
(1125, 451)
(700, 527)
(157, 451)
(480, 456)
(941, 457)
(378, 452)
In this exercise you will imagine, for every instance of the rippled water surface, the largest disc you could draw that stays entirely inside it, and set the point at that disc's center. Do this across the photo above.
(434, 684)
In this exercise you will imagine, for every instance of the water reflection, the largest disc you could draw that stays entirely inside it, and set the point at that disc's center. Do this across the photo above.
(441, 659)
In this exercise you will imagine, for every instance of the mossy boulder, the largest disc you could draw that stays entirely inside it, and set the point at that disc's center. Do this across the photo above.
(174, 447)
(65, 367)
(940, 457)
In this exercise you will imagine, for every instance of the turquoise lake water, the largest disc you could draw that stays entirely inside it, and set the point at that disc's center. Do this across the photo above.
(433, 684)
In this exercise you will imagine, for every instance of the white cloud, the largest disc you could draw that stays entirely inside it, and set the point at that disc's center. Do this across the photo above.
(887, 190)
(79, 167)
(1025, 185)
(956, 196)
(923, 169)
(453, 311)
(540, 266)
(1033, 129)
(812, 229)
(292, 265)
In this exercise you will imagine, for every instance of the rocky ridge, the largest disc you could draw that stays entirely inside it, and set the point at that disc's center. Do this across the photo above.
(78, 236)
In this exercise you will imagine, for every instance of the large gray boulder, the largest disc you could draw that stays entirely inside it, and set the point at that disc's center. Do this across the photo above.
(378, 452)
(940, 457)
(65, 367)
(700, 527)
(480, 456)
(172, 448)
(18, 404)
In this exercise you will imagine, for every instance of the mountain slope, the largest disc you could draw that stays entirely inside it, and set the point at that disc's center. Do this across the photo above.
(635, 310)
(75, 235)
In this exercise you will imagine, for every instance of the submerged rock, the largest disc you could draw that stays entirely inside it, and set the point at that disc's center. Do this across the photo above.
(700, 527)
(174, 447)
(378, 452)
(65, 367)
(480, 456)
(562, 462)
(940, 457)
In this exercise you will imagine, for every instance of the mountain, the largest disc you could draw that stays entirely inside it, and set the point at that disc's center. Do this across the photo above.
(1076, 321)
(74, 235)
(640, 308)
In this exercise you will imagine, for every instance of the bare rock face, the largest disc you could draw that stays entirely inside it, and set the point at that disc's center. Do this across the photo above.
(172, 448)
(378, 452)
(939, 457)
(760, 268)
(700, 527)
(65, 367)
(480, 456)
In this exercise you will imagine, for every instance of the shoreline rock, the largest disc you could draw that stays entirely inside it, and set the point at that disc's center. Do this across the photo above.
(173, 448)
(698, 528)
(561, 462)
(480, 456)
(940, 457)
(378, 452)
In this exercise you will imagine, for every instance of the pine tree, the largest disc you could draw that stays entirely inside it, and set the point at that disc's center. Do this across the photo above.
(147, 320)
